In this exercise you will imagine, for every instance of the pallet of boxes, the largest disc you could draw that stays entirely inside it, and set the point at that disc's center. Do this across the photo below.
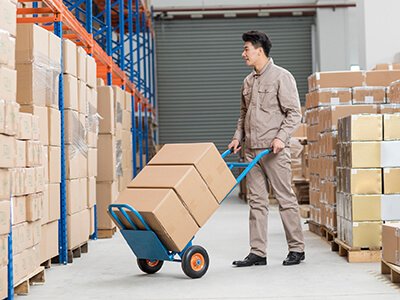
(178, 191)
(390, 263)
(334, 95)
(368, 190)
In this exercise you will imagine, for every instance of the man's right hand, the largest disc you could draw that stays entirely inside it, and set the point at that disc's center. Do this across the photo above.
(235, 146)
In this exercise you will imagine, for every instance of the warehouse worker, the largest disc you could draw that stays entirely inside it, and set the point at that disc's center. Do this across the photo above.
(269, 114)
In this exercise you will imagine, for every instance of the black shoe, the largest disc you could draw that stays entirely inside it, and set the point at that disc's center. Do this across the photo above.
(294, 258)
(250, 260)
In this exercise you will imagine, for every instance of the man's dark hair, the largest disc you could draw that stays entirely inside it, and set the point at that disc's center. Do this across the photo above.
(258, 39)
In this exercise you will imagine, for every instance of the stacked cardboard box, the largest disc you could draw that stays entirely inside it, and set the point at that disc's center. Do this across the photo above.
(38, 57)
(8, 128)
(179, 191)
(391, 243)
(127, 167)
(80, 114)
(368, 174)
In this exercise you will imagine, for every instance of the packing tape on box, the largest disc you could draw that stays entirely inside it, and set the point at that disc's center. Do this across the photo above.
(119, 158)
(92, 121)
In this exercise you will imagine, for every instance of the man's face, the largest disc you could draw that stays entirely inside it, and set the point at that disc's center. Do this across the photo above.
(250, 54)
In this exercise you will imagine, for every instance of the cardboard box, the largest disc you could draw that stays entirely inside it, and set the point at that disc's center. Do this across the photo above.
(7, 50)
(30, 180)
(2, 116)
(33, 154)
(70, 92)
(54, 50)
(156, 207)
(35, 128)
(82, 97)
(390, 207)
(34, 207)
(54, 127)
(128, 101)
(45, 159)
(42, 114)
(54, 201)
(7, 151)
(3, 282)
(107, 193)
(364, 207)
(364, 155)
(91, 71)
(8, 84)
(363, 181)
(36, 82)
(369, 95)
(186, 182)
(78, 226)
(81, 63)
(365, 127)
(72, 162)
(25, 263)
(391, 181)
(3, 250)
(49, 241)
(364, 234)
(105, 109)
(32, 44)
(5, 184)
(344, 79)
(330, 96)
(20, 154)
(69, 57)
(91, 198)
(106, 158)
(72, 127)
(207, 161)
(100, 82)
(390, 154)
(11, 118)
(40, 179)
(391, 243)
(55, 164)
(8, 16)
(45, 205)
(391, 128)
(92, 162)
(126, 121)
(24, 126)
(18, 210)
(381, 78)
(119, 100)
(75, 199)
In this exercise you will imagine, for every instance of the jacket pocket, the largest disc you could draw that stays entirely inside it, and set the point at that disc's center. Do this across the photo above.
(267, 99)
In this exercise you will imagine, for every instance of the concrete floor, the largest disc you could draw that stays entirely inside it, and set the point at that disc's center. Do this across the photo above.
(109, 270)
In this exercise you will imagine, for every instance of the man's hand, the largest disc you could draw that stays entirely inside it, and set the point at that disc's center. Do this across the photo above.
(235, 145)
(277, 145)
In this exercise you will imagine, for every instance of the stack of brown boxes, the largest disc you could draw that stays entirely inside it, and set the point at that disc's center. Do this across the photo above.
(80, 109)
(8, 128)
(28, 179)
(127, 167)
(179, 191)
(368, 176)
(333, 95)
(38, 56)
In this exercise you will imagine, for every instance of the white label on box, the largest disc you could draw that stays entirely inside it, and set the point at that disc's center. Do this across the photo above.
(369, 99)
(386, 117)
(355, 224)
(386, 171)
(354, 171)
(335, 101)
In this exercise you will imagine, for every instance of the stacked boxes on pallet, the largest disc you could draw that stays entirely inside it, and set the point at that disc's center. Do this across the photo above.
(334, 95)
(368, 176)
(38, 57)
(8, 122)
(80, 115)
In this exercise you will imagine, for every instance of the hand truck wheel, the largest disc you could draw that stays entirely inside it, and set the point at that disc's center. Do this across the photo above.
(149, 266)
(195, 262)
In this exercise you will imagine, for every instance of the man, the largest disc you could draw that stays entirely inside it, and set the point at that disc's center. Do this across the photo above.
(269, 114)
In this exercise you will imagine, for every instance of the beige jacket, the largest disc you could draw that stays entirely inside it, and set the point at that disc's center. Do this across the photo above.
(270, 107)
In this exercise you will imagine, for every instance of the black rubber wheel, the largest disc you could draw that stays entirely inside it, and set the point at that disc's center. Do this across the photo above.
(195, 262)
(149, 266)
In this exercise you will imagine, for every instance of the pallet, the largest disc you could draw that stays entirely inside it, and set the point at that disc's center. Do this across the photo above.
(106, 233)
(393, 270)
(314, 227)
(47, 263)
(77, 252)
(35, 278)
(357, 255)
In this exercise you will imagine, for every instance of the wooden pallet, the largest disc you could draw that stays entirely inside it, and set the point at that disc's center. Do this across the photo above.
(106, 233)
(314, 227)
(355, 255)
(77, 252)
(35, 278)
(393, 270)
(47, 263)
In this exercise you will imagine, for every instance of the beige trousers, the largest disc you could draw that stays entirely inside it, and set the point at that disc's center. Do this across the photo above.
(276, 168)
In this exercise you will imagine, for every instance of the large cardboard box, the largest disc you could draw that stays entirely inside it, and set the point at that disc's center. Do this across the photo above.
(391, 128)
(7, 151)
(72, 127)
(40, 179)
(186, 182)
(32, 44)
(54, 50)
(81, 63)
(91, 198)
(73, 161)
(364, 207)
(54, 201)
(54, 127)
(42, 114)
(369, 95)
(3, 282)
(54, 164)
(70, 92)
(30, 180)
(391, 179)
(329, 96)
(364, 155)
(92, 162)
(24, 126)
(45, 205)
(344, 79)
(391, 243)
(34, 207)
(4, 250)
(34, 89)
(8, 16)
(207, 161)
(390, 207)
(119, 100)
(8, 84)
(49, 241)
(107, 193)
(364, 234)
(364, 127)
(11, 118)
(381, 78)
(82, 97)
(163, 211)
(78, 226)
(20, 154)
(69, 57)
(18, 210)
(91, 71)
(363, 181)
(105, 107)
(7, 50)
(106, 158)
(5, 184)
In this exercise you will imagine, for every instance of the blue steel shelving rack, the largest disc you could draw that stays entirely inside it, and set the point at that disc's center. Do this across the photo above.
(107, 40)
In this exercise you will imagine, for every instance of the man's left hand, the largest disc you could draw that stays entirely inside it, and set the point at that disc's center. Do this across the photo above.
(277, 145)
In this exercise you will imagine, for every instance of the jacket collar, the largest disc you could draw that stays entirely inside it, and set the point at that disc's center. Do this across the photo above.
(267, 66)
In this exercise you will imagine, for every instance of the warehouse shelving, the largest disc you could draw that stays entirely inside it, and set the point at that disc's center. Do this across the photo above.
(112, 42)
